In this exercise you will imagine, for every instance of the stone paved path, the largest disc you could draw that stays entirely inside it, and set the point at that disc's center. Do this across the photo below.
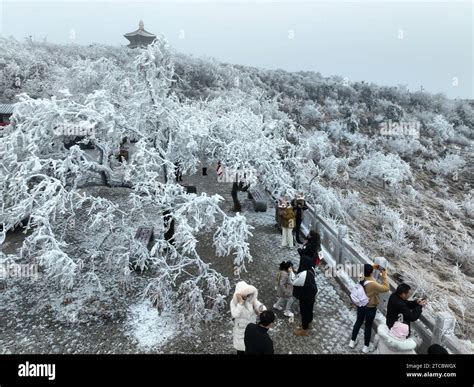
(333, 313)
(29, 325)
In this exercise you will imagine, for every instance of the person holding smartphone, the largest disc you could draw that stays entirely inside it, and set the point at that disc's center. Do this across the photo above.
(399, 306)
(304, 290)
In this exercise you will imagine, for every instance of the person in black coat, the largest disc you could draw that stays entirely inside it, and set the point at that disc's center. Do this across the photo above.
(256, 338)
(400, 309)
(312, 245)
(304, 289)
(299, 207)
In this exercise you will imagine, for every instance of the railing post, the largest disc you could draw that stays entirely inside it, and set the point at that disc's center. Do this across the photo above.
(341, 233)
(444, 325)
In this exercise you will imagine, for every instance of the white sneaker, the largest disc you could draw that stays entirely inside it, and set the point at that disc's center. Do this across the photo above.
(365, 349)
(287, 313)
(277, 307)
(352, 344)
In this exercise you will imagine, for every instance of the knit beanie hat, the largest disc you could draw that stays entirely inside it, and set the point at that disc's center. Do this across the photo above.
(400, 330)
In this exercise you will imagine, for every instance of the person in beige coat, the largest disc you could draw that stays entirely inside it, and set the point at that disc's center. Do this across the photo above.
(284, 290)
(244, 308)
(287, 222)
(366, 313)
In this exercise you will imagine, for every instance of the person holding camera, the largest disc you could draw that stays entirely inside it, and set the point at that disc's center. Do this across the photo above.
(312, 246)
(400, 306)
(368, 311)
(284, 289)
(305, 290)
(299, 207)
(244, 309)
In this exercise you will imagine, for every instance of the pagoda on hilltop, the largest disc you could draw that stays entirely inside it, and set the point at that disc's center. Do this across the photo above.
(140, 37)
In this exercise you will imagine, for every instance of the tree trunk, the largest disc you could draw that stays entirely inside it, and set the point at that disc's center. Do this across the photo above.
(102, 160)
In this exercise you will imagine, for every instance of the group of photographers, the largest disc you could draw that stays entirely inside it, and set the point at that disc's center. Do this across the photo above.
(394, 335)
(252, 319)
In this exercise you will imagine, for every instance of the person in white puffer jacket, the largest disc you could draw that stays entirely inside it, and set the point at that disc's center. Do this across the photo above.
(244, 308)
(394, 341)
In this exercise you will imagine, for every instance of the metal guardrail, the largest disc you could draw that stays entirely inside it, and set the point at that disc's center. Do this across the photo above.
(428, 329)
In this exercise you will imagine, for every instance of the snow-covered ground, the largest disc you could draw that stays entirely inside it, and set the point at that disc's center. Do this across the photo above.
(148, 327)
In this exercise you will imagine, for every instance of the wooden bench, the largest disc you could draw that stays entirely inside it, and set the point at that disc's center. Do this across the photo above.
(259, 200)
(189, 188)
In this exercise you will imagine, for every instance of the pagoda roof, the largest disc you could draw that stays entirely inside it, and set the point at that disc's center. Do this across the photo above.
(140, 32)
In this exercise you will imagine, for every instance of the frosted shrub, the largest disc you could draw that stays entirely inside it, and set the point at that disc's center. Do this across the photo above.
(449, 206)
(465, 132)
(357, 139)
(468, 205)
(421, 286)
(351, 203)
(447, 166)
(332, 107)
(428, 243)
(404, 147)
(335, 129)
(385, 215)
(394, 240)
(412, 195)
(439, 129)
(425, 241)
(393, 237)
(331, 166)
(389, 168)
(462, 251)
(311, 114)
(319, 144)
(327, 200)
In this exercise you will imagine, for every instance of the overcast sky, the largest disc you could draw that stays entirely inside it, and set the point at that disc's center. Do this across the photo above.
(427, 44)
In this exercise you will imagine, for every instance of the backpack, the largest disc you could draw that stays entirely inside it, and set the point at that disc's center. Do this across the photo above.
(358, 295)
(277, 284)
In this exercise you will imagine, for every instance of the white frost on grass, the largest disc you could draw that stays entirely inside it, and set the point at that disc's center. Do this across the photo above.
(148, 327)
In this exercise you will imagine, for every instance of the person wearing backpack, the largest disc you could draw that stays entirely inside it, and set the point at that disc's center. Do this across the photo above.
(365, 296)
(304, 289)
(284, 289)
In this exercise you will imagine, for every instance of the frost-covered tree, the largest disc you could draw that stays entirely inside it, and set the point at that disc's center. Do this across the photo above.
(44, 180)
